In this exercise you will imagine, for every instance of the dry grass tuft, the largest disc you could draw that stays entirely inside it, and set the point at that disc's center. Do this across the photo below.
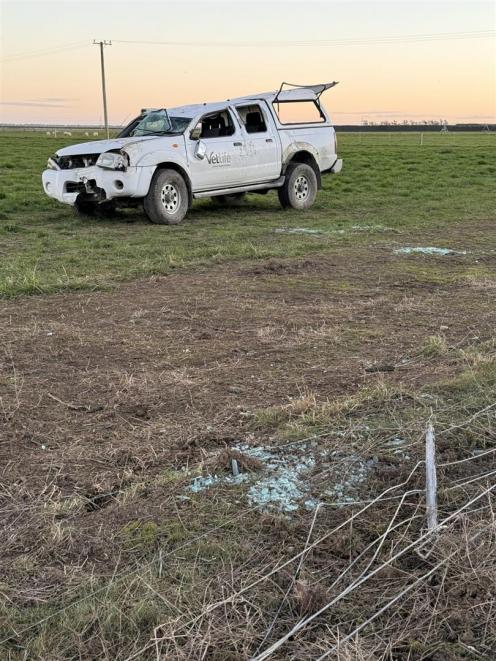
(308, 598)
(222, 461)
(434, 346)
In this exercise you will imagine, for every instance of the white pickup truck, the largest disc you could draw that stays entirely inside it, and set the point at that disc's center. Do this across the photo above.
(166, 158)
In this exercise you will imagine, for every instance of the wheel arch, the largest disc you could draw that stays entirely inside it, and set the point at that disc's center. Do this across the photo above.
(305, 156)
(170, 165)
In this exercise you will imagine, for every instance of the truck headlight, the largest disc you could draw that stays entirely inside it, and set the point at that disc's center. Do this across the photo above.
(112, 161)
(52, 163)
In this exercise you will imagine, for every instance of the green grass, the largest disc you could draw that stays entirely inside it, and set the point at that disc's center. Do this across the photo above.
(390, 182)
(471, 388)
(169, 555)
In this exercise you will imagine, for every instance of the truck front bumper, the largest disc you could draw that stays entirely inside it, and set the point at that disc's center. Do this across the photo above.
(66, 185)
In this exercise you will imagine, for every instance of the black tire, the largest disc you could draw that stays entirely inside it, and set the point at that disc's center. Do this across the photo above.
(84, 208)
(232, 200)
(167, 201)
(300, 187)
(89, 209)
(106, 210)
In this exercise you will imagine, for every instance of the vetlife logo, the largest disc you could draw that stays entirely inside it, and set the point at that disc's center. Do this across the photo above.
(223, 158)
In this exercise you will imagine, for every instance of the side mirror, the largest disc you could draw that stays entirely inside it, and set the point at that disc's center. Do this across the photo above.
(196, 132)
(201, 150)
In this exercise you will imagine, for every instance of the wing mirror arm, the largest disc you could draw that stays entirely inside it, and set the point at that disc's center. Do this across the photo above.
(200, 150)
(201, 147)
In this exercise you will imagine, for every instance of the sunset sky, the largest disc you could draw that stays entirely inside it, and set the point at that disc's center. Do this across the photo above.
(386, 55)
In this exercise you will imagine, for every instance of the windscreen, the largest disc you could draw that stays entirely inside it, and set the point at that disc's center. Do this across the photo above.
(158, 122)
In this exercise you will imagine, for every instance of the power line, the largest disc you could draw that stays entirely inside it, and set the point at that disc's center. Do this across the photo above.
(42, 52)
(348, 41)
(392, 39)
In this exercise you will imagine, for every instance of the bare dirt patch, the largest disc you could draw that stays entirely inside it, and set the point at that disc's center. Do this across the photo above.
(102, 394)
(149, 368)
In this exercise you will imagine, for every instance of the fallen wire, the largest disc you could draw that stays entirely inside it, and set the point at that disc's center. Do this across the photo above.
(473, 458)
(276, 569)
(468, 421)
(127, 574)
(223, 525)
(293, 581)
(277, 644)
(400, 595)
(306, 440)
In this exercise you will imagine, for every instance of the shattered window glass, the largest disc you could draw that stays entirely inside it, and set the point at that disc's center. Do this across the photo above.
(156, 123)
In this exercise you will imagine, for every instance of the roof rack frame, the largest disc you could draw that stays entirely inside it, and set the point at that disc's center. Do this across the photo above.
(325, 87)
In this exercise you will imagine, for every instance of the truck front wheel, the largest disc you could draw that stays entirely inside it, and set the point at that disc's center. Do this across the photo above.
(300, 187)
(166, 203)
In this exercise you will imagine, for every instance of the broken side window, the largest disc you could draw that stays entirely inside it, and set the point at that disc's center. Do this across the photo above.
(252, 118)
(217, 125)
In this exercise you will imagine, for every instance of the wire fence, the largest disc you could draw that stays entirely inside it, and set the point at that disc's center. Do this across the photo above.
(437, 139)
(368, 563)
(393, 138)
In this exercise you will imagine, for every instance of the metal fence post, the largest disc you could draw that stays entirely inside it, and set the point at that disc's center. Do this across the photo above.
(430, 478)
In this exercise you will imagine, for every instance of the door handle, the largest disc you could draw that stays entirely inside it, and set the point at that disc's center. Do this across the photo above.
(238, 144)
(268, 140)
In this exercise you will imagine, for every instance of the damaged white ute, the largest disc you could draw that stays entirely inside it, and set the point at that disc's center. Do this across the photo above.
(166, 158)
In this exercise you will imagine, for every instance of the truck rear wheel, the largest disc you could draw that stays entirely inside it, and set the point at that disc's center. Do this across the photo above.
(166, 203)
(300, 187)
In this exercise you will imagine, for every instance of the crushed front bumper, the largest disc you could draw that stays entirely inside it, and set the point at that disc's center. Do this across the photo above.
(66, 185)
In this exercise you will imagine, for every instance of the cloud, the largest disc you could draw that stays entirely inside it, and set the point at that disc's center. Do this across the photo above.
(368, 112)
(51, 99)
(41, 103)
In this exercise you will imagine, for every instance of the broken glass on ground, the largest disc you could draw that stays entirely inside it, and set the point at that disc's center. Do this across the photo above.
(284, 482)
(428, 250)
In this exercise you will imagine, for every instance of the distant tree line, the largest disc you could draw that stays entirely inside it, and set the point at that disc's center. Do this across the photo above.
(407, 125)
(366, 125)
(408, 122)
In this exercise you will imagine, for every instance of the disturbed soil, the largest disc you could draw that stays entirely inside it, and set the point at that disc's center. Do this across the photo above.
(101, 389)
(156, 365)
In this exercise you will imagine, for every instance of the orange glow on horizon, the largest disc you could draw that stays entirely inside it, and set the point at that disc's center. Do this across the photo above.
(448, 79)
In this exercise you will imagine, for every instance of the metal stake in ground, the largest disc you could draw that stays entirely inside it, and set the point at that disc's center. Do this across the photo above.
(430, 478)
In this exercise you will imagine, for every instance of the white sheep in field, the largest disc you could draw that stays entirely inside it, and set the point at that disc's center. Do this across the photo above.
(95, 132)
(48, 133)
(86, 133)
(67, 133)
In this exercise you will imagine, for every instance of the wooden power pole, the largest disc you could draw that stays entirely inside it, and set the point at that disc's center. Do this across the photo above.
(104, 90)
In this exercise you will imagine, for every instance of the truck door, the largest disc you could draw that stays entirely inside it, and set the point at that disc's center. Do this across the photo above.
(215, 149)
(262, 147)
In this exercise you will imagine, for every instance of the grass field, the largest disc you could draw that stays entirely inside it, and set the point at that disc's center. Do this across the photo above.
(137, 361)
(386, 182)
